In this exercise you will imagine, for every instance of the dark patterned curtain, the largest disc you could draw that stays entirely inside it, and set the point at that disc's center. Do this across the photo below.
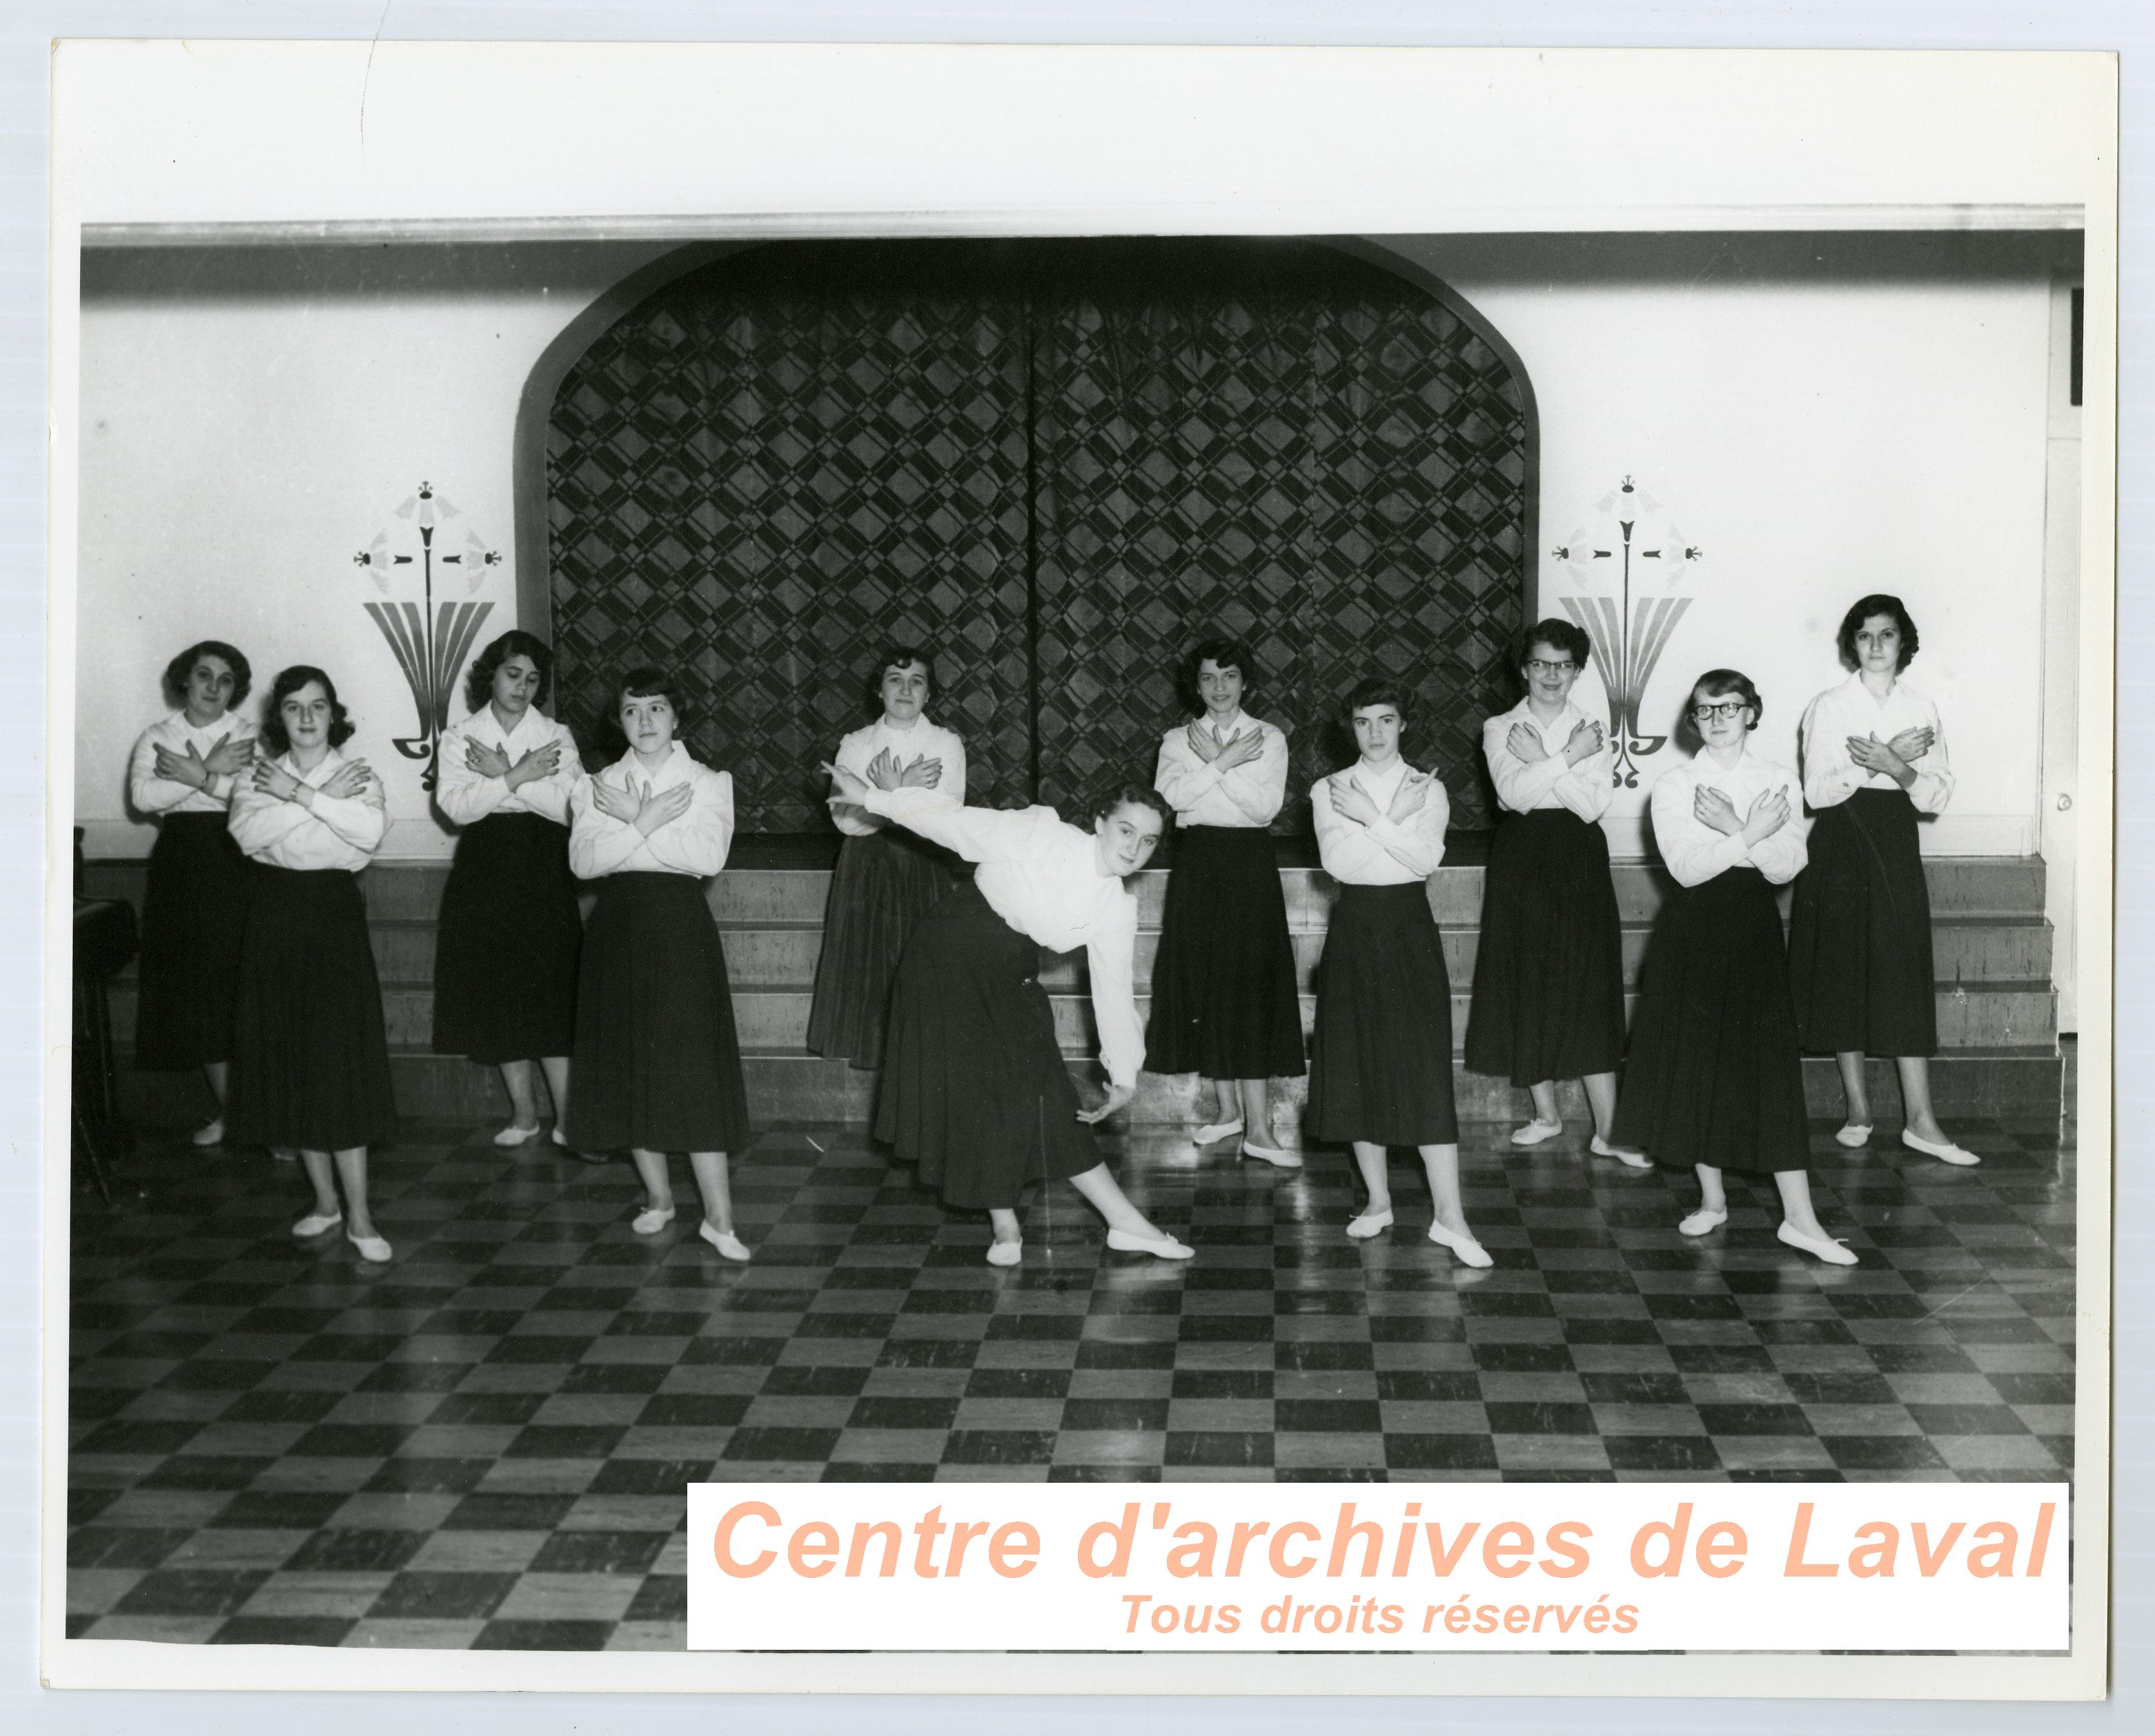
(1058, 463)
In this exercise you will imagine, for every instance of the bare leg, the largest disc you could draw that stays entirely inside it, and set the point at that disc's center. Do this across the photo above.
(715, 1185)
(351, 1171)
(321, 1177)
(1256, 1109)
(1099, 1186)
(557, 1084)
(1544, 1097)
(658, 1185)
(1370, 1160)
(1003, 1222)
(1916, 1111)
(1853, 1088)
(520, 1077)
(1601, 1097)
(1799, 1221)
(1713, 1204)
(1441, 1165)
(1226, 1102)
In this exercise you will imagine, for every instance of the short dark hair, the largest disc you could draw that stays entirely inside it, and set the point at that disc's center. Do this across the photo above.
(1377, 690)
(1228, 653)
(1723, 684)
(478, 687)
(288, 682)
(647, 681)
(897, 656)
(1110, 797)
(182, 666)
(1878, 603)
(1558, 634)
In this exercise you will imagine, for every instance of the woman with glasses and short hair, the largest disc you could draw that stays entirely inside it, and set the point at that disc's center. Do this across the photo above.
(1714, 1081)
(1549, 970)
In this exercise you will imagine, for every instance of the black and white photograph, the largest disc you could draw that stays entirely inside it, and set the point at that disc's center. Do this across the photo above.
(989, 847)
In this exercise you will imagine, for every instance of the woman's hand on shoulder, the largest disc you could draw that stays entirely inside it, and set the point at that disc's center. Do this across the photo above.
(486, 761)
(349, 778)
(273, 780)
(1412, 796)
(614, 801)
(230, 753)
(1348, 799)
(1768, 814)
(1912, 743)
(1525, 741)
(1585, 741)
(1201, 741)
(1715, 811)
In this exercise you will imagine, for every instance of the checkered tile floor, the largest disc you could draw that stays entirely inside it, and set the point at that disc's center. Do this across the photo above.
(484, 1443)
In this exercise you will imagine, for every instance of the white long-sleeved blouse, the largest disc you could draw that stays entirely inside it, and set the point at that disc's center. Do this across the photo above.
(154, 795)
(1831, 777)
(339, 831)
(1042, 877)
(858, 751)
(1249, 795)
(694, 843)
(468, 796)
(1694, 852)
(1389, 853)
(1524, 785)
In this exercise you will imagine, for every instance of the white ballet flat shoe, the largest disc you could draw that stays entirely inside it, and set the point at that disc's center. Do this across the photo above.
(212, 1134)
(1853, 1134)
(1702, 1222)
(1464, 1248)
(725, 1241)
(652, 1219)
(1537, 1131)
(561, 1139)
(1834, 1254)
(1278, 1158)
(1213, 1132)
(1947, 1154)
(1005, 1254)
(1161, 1247)
(514, 1136)
(1630, 1159)
(317, 1223)
(371, 1248)
(1370, 1223)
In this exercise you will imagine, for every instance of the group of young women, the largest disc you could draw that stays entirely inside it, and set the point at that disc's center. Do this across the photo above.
(257, 965)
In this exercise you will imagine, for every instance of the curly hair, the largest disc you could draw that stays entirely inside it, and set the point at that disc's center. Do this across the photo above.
(182, 666)
(1568, 637)
(1878, 603)
(1228, 654)
(1110, 798)
(289, 682)
(478, 686)
(895, 656)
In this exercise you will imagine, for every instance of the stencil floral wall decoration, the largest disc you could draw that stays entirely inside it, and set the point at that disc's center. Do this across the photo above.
(431, 641)
(1629, 564)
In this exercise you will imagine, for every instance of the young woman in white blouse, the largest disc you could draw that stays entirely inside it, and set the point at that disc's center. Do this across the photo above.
(310, 1057)
(1224, 1001)
(657, 1064)
(183, 774)
(885, 877)
(1714, 1080)
(973, 1088)
(506, 947)
(1381, 1059)
(1860, 932)
(1549, 972)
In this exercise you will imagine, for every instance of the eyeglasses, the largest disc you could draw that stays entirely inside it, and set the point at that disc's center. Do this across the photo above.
(1542, 666)
(1728, 711)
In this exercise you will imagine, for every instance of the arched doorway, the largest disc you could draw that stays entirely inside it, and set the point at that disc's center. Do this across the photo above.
(1055, 463)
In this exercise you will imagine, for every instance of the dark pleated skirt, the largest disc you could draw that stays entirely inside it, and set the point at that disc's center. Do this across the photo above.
(1380, 1061)
(973, 1088)
(1548, 969)
(657, 1064)
(1860, 933)
(1224, 1001)
(882, 885)
(505, 949)
(194, 921)
(310, 1059)
(1714, 1076)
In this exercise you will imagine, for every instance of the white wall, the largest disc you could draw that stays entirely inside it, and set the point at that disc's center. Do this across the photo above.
(1822, 416)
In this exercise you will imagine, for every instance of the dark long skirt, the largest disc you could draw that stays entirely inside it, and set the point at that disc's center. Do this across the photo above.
(1860, 933)
(882, 883)
(505, 949)
(657, 1064)
(1380, 1061)
(973, 1088)
(1224, 1001)
(311, 1058)
(194, 921)
(1549, 972)
(1714, 1076)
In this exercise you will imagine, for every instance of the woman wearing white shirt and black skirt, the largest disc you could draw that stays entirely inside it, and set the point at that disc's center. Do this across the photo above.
(1860, 933)
(183, 774)
(1714, 1080)
(974, 1089)
(1224, 1001)
(1549, 972)
(310, 1057)
(885, 877)
(506, 947)
(1381, 1059)
(657, 1064)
